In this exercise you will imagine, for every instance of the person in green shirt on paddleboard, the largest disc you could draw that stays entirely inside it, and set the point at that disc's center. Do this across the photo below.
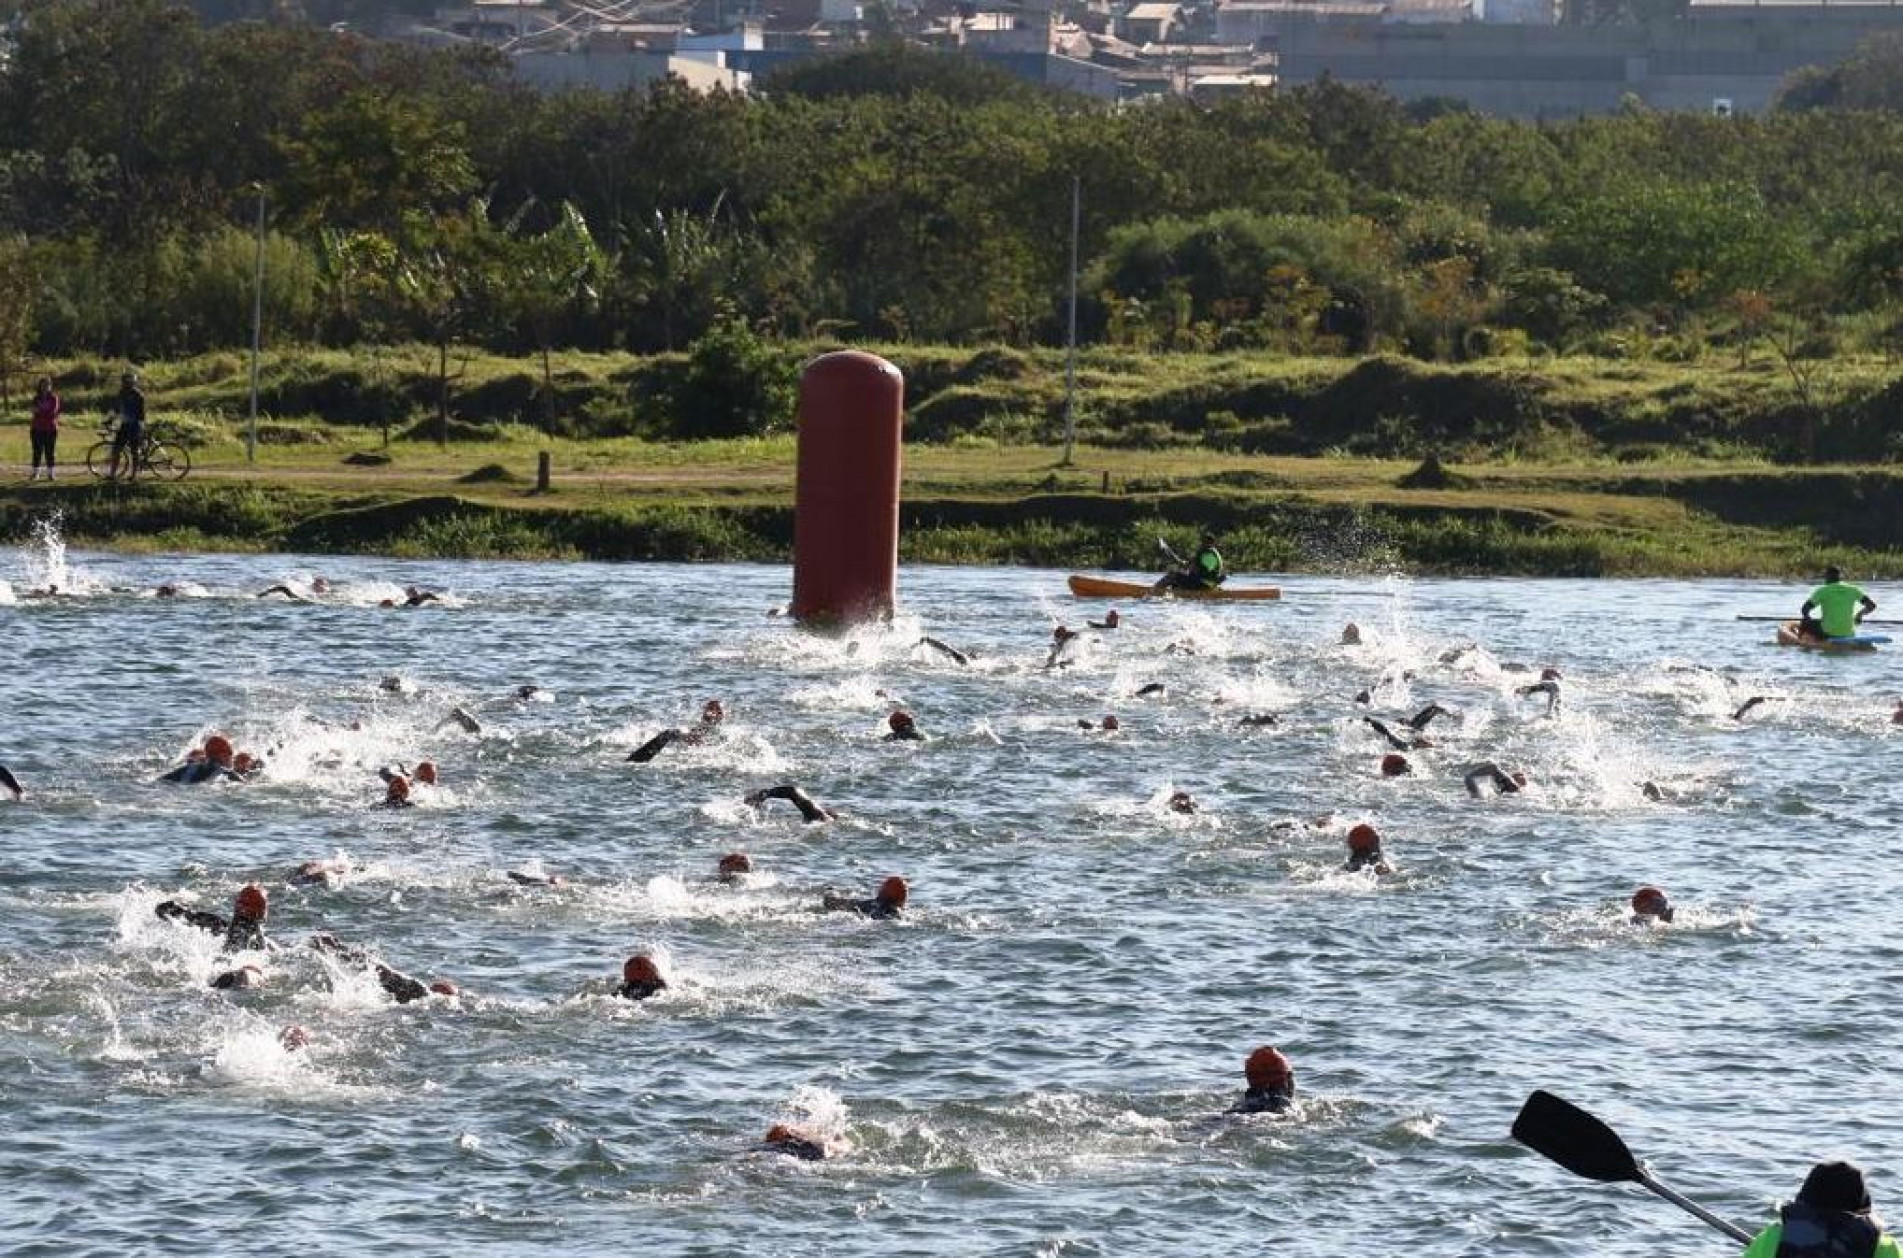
(1205, 570)
(1831, 1218)
(1843, 606)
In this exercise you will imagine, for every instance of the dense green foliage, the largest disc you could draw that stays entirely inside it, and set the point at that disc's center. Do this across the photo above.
(431, 197)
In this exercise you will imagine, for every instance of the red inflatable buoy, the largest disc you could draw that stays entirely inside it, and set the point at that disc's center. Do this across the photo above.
(846, 512)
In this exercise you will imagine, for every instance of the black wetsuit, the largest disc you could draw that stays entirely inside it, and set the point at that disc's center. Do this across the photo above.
(196, 772)
(1358, 861)
(909, 734)
(239, 932)
(653, 746)
(875, 908)
(1813, 1233)
(402, 988)
(1272, 1100)
(10, 782)
(798, 1147)
(641, 990)
(811, 811)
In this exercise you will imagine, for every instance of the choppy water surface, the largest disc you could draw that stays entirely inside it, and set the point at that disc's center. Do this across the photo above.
(1028, 1064)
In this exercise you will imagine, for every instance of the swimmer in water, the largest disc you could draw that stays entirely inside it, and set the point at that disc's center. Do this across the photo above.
(245, 928)
(1399, 744)
(733, 868)
(903, 728)
(1896, 717)
(1271, 1083)
(794, 1143)
(326, 873)
(460, 718)
(1149, 689)
(401, 987)
(1745, 708)
(887, 903)
(1422, 719)
(415, 597)
(1110, 620)
(951, 653)
(245, 976)
(1650, 907)
(246, 766)
(283, 591)
(712, 713)
(1504, 783)
(793, 795)
(1547, 685)
(1061, 637)
(12, 784)
(215, 766)
(398, 793)
(1183, 802)
(1258, 722)
(1394, 765)
(1109, 725)
(640, 978)
(1351, 634)
(522, 878)
(1364, 851)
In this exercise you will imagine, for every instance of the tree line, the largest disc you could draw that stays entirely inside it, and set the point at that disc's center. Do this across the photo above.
(897, 195)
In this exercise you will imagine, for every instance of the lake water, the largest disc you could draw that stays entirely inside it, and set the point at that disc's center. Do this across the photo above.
(1031, 1062)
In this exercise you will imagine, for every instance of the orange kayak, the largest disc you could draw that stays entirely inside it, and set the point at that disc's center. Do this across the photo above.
(1104, 587)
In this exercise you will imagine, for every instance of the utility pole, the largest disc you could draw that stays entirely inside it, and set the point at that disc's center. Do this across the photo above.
(1070, 357)
(257, 335)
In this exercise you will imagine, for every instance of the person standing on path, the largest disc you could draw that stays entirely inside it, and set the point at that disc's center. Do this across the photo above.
(45, 427)
(131, 431)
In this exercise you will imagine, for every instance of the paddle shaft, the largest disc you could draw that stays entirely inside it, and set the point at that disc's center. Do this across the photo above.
(1169, 550)
(1787, 619)
(1686, 1204)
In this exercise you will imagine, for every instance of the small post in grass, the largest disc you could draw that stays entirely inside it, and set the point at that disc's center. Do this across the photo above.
(541, 472)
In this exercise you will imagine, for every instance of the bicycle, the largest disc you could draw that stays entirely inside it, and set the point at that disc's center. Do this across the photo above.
(153, 457)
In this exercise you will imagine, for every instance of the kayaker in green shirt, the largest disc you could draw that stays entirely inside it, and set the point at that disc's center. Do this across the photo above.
(1843, 606)
(1205, 571)
(1830, 1219)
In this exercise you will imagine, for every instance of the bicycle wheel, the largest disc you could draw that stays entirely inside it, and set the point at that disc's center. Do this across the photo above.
(169, 462)
(99, 460)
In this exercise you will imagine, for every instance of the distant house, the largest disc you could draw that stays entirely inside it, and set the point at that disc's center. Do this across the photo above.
(496, 21)
(614, 71)
(1149, 23)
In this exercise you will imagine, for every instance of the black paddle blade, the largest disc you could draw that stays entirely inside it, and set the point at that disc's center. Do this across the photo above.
(1575, 1139)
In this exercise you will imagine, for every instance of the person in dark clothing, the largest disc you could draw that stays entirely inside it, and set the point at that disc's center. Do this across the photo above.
(1420, 720)
(1831, 1218)
(711, 715)
(1260, 720)
(245, 976)
(1395, 741)
(1271, 1083)
(733, 867)
(1649, 906)
(244, 930)
(45, 427)
(131, 430)
(888, 903)
(1110, 620)
(640, 978)
(401, 987)
(1547, 685)
(214, 766)
(949, 652)
(904, 728)
(795, 1143)
(11, 783)
(1504, 783)
(793, 795)
(1364, 850)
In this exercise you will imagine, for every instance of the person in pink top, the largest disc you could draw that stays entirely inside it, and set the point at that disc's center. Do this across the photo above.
(45, 429)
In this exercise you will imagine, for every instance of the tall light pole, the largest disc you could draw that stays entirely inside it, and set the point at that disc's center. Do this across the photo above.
(1070, 356)
(257, 335)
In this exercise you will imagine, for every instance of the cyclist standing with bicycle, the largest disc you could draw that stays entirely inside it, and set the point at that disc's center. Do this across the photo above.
(131, 432)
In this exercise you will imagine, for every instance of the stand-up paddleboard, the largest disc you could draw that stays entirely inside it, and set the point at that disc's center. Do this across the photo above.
(1787, 635)
(1104, 587)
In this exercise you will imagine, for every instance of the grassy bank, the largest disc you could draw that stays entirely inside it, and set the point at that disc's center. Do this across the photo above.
(1015, 506)
(1575, 467)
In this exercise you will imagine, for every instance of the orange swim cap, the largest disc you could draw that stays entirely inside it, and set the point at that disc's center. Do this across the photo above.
(244, 762)
(252, 903)
(1394, 764)
(893, 891)
(1364, 838)
(218, 749)
(1266, 1067)
(1549, 674)
(736, 863)
(1648, 901)
(426, 773)
(780, 1133)
(399, 788)
(1111, 722)
(293, 1038)
(640, 969)
(443, 987)
(712, 712)
(900, 720)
